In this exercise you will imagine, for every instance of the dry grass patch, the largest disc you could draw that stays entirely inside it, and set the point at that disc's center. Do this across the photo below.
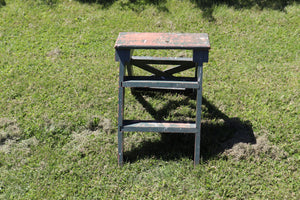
(261, 149)
(9, 129)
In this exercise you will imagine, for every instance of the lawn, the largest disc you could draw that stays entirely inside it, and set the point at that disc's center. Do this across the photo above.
(59, 99)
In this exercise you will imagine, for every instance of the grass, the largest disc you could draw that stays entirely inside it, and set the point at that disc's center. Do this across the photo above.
(58, 103)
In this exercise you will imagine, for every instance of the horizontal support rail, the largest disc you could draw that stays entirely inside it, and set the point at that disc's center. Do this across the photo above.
(162, 60)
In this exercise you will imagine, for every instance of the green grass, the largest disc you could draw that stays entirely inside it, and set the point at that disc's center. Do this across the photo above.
(58, 103)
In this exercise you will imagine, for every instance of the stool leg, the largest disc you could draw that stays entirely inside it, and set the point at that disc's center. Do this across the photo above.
(120, 124)
(121, 113)
(120, 116)
(124, 57)
(198, 116)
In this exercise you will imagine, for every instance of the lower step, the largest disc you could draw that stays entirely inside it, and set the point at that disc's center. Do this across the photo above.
(159, 126)
(160, 82)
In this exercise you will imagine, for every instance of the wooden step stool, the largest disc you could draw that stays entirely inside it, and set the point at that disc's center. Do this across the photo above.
(125, 44)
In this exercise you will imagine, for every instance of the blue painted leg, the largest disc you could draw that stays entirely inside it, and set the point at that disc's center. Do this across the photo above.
(123, 56)
(199, 57)
(198, 116)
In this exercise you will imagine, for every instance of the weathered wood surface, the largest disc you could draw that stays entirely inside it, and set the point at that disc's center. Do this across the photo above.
(159, 126)
(135, 40)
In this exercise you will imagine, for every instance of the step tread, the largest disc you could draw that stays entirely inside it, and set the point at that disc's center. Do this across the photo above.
(160, 82)
(159, 126)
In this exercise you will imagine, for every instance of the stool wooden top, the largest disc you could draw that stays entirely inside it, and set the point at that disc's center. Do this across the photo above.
(135, 40)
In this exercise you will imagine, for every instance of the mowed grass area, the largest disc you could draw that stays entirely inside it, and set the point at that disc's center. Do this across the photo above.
(58, 103)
